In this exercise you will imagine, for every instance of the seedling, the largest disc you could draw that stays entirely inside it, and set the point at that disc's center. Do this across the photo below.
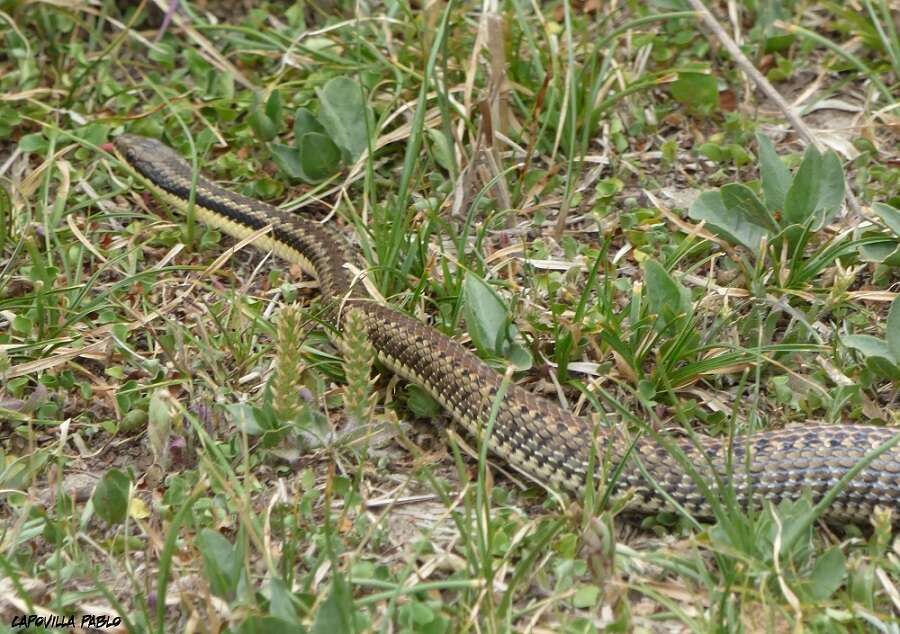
(793, 208)
(339, 134)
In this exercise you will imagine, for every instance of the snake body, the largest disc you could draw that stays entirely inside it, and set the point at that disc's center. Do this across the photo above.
(532, 433)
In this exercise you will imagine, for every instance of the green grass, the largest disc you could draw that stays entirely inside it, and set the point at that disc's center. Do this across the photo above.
(182, 444)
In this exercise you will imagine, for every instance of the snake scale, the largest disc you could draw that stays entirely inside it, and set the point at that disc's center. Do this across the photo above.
(532, 433)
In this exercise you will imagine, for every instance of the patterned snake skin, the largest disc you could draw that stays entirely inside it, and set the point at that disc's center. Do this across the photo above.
(532, 433)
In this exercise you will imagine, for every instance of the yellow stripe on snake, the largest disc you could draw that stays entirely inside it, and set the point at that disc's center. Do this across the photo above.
(532, 433)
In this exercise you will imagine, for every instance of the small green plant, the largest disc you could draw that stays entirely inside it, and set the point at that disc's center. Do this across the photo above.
(660, 325)
(793, 208)
(775, 548)
(882, 356)
(795, 205)
(283, 412)
(339, 134)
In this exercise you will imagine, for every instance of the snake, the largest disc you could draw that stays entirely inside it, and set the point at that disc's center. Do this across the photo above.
(847, 470)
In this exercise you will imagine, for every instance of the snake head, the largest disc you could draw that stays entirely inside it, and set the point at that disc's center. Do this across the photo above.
(148, 156)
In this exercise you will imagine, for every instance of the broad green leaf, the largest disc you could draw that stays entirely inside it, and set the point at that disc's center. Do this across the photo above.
(245, 418)
(800, 200)
(868, 346)
(133, 421)
(796, 518)
(319, 157)
(739, 154)
(265, 119)
(336, 616)
(817, 191)
(889, 216)
(23, 324)
(647, 391)
(609, 187)
(892, 330)
(281, 600)
(420, 613)
(740, 199)
(886, 252)
(725, 223)
(94, 133)
(778, 43)
(421, 403)
(110, 498)
(442, 149)
(164, 53)
(666, 298)
(486, 315)
(878, 357)
(287, 159)
(697, 90)
(827, 574)
(831, 189)
(586, 596)
(274, 110)
(221, 85)
(305, 121)
(35, 142)
(221, 562)
(776, 178)
(9, 121)
(712, 151)
(346, 116)
(519, 356)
